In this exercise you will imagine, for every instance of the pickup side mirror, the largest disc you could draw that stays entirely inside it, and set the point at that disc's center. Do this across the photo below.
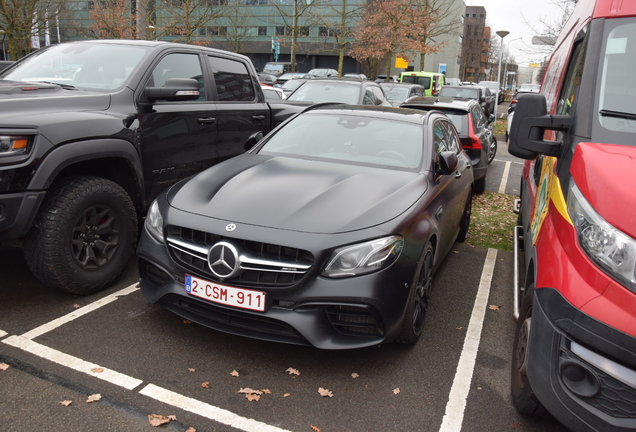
(253, 140)
(448, 162)
(174, 90)
(528, 126)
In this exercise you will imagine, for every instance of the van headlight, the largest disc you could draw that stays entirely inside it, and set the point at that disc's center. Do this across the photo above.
(154, 222)
(612, 250)
(362, 258)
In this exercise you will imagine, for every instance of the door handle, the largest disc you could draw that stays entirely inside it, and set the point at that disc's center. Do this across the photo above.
(258, 117)
(458, 175)
(210, 120)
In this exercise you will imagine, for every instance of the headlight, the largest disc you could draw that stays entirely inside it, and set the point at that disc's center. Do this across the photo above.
(11, 145)
(154, 221)
(609, 248)
(363, 258)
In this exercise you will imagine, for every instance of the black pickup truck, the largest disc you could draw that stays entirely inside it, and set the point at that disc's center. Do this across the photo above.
(92, 131)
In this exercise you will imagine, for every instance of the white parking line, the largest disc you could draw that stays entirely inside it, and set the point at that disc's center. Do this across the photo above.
(205, 410)
(38, 331)
(504, 178)
(454, 415)
(72, 362)
(3, 333)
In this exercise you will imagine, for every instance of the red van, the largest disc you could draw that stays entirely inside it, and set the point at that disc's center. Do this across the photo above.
(575, 341)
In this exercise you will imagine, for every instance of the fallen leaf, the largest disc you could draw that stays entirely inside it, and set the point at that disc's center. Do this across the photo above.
(266, 391)
(396, 391)
(172, 417)
(76, 306)
(325, 392)
(252, 397)
(94, 398)
(292, 371)
(187, 322)
(191, 429)
(157, 420)
(287, 395)
(4, 366)
(354, 375)
(205, 384)
(66, 402)
(191, 369)
(234, 373)
(248, 390)
(514, 425)
(459, 328)
(314, 428)
(97, 370)
(494, 307)
(455, 251)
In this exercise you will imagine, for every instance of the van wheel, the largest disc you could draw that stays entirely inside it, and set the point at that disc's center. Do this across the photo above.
(523, 397)
(83, 235)
(418, 300)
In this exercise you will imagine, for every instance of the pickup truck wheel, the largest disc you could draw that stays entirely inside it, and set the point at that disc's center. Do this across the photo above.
(83, 235)
(418, 301)
(523, 397)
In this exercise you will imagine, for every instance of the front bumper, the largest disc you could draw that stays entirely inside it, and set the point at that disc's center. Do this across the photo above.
(592, 389)
(326, 313)
(17, 211)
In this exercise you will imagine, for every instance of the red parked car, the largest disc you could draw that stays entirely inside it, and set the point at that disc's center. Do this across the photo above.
(575, 345)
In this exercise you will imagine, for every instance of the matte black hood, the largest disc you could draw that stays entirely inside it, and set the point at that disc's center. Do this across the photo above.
(299, 195)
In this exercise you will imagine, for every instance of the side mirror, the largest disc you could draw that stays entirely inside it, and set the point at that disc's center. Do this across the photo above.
(448, 162)
(253, 140)
(174, 90)
(529, 124)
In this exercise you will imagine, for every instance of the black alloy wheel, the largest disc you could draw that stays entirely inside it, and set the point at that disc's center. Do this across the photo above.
(418, 300)
(83, 235)
(492, 150)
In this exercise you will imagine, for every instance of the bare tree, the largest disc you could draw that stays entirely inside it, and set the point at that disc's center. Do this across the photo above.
(297, 17)
(548, 28)
(238, 34)
(439, 13)
(185, 19)
(109, 19)
(20, 20)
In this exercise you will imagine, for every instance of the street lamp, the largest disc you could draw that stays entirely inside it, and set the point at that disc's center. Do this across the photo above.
(506, 66)
(502, 34)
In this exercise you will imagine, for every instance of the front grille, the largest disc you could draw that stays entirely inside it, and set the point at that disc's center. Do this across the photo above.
(353, 320)
(263, 264)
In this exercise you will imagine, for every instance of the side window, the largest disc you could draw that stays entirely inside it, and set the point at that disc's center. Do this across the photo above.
(440, 138)
(179, 65)
(451, 137)
(369, 98)
(573, 78)
(233, 81)
(479, 121)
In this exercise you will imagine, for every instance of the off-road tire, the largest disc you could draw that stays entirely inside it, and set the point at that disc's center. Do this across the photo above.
(83, 235)
(418, 299)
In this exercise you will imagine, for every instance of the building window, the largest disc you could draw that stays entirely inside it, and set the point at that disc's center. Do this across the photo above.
(303, 31)
(262, 31)
(280, 31)
(216, 31)
(474, 15)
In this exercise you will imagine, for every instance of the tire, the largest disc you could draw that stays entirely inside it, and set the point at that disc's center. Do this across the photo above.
(479, 187)
(464, 223)
(83, 235)
(523, 397)
(492, 150)
(418, 299)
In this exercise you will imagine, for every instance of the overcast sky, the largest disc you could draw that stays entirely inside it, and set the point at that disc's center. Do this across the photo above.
(512, 15)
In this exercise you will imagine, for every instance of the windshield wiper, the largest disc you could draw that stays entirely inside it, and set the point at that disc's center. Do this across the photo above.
(64, 86)
(617, 114)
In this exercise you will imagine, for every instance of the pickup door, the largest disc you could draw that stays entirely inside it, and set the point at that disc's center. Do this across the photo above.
(179, 139)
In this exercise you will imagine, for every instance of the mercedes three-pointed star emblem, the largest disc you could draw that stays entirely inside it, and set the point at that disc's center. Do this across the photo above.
(223, 260)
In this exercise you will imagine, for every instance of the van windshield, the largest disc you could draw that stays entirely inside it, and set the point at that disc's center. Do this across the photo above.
(616, 110)
(414, 79)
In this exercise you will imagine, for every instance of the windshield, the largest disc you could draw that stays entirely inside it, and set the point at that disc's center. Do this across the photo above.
(492, 85)
(81, 65)
(293, 84)
(396, 94)
(349, 138)
(414, 79)
(272, 67)
(327, 92)
(464, 93)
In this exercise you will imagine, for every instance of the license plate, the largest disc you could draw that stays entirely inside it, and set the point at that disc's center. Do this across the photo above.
(225, 295)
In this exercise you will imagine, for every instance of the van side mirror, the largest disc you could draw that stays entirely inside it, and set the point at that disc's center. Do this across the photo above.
(174, 90)
(253, 140)
(530, 122)
(448, 162)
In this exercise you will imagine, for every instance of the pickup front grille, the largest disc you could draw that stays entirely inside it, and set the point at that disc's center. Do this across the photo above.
(262, 264)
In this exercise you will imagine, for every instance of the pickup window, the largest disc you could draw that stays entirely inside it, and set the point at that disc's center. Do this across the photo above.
(233, 81)
(179, 65)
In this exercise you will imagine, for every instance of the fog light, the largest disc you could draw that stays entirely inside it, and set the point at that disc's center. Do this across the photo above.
(580, 379)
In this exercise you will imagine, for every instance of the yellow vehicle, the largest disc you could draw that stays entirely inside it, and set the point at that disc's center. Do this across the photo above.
(431, 81)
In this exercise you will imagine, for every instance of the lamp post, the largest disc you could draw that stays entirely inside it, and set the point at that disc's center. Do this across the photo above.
(502, 34)
(506, 66)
